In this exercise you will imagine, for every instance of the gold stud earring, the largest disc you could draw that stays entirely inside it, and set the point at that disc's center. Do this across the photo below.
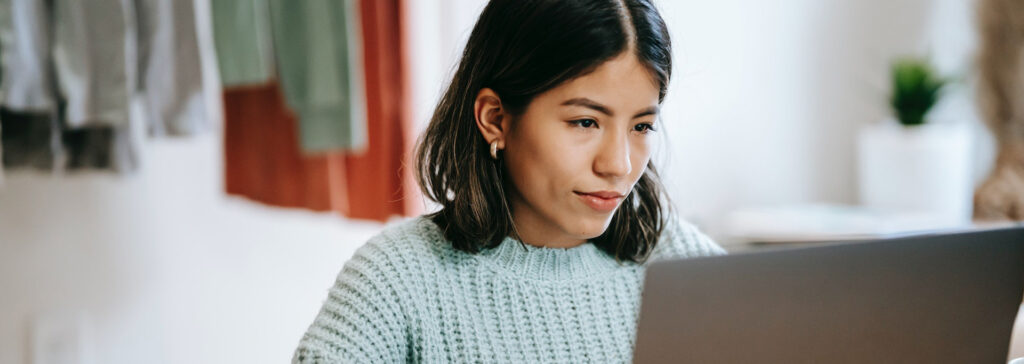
(494, 150)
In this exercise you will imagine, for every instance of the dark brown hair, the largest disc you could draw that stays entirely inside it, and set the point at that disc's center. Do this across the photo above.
(519, 49)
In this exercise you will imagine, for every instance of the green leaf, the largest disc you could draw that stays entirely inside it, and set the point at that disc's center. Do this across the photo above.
(916, 89)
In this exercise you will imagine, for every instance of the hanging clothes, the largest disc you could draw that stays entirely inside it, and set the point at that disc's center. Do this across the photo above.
(170, 76)
(263, 160)
(99, 148)
(25, 39)
(380, 181)
(27, 139)
(242, 36)
(77, 66)
(91, 57)
(319, 75)
(263, 154)
(41, 141)
(70, 62)
(28, 104)
(2, 13)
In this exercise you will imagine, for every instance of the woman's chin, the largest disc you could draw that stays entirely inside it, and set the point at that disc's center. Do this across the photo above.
(591, 227)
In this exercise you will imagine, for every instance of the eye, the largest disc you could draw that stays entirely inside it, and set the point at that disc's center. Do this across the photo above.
(586, 123)
(644, 128)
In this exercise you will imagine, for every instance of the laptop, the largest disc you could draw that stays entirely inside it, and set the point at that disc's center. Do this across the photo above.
(946, 298)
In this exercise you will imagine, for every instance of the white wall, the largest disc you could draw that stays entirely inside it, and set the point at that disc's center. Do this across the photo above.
(767, 97)
(167, 268)
(763, 105)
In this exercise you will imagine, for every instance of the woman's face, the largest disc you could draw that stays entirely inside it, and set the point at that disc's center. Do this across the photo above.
(591, 135)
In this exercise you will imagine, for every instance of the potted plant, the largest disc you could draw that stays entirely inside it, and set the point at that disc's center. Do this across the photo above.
(910, 162)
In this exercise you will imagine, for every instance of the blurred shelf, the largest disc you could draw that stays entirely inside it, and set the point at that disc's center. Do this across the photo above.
(767, 226)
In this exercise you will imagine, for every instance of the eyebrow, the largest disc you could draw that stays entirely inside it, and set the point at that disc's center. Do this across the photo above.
(588, 103)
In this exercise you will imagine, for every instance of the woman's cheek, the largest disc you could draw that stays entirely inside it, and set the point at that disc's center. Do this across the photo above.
(639, 157)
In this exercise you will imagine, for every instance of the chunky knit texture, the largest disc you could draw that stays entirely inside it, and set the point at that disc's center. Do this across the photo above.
(408, 296)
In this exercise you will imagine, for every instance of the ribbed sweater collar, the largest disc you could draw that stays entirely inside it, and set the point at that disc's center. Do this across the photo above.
(549, 264)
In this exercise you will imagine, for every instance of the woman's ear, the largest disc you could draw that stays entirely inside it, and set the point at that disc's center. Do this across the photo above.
(491, 118)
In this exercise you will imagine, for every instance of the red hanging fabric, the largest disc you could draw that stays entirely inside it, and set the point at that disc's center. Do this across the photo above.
(263, 158)
(383, 173)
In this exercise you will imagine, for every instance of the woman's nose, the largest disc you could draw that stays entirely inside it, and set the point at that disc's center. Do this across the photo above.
(612, 157)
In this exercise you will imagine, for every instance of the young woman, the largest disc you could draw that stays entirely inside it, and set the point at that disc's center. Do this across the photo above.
(539, 155)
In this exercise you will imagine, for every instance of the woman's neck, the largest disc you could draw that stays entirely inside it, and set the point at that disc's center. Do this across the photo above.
(538, 231)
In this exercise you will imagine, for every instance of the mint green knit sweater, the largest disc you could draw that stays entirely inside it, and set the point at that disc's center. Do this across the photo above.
(408, 296)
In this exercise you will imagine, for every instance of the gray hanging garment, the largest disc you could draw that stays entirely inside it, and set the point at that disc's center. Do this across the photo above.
(91, 54)
(170, 69)
(27, 99)
(25, 40)
(90, 59)
(27, 139)
(73, 83)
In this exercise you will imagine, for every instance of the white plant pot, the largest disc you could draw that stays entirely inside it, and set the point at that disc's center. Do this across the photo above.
(918, 169)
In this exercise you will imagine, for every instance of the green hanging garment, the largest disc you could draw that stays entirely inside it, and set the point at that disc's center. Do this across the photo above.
(318, 52)
(242, 37)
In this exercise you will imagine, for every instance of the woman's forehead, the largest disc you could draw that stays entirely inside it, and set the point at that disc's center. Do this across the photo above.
(622, 84)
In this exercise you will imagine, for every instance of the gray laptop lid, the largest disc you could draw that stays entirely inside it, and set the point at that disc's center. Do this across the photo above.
(924, 299)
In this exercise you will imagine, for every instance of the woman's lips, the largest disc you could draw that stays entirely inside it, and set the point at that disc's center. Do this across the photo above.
(599, 203)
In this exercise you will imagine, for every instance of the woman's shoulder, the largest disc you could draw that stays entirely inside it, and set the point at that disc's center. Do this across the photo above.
(364, 316)
(682, 239)
(404, 244)
(390, 262)
(419, 229)
(402, 239)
